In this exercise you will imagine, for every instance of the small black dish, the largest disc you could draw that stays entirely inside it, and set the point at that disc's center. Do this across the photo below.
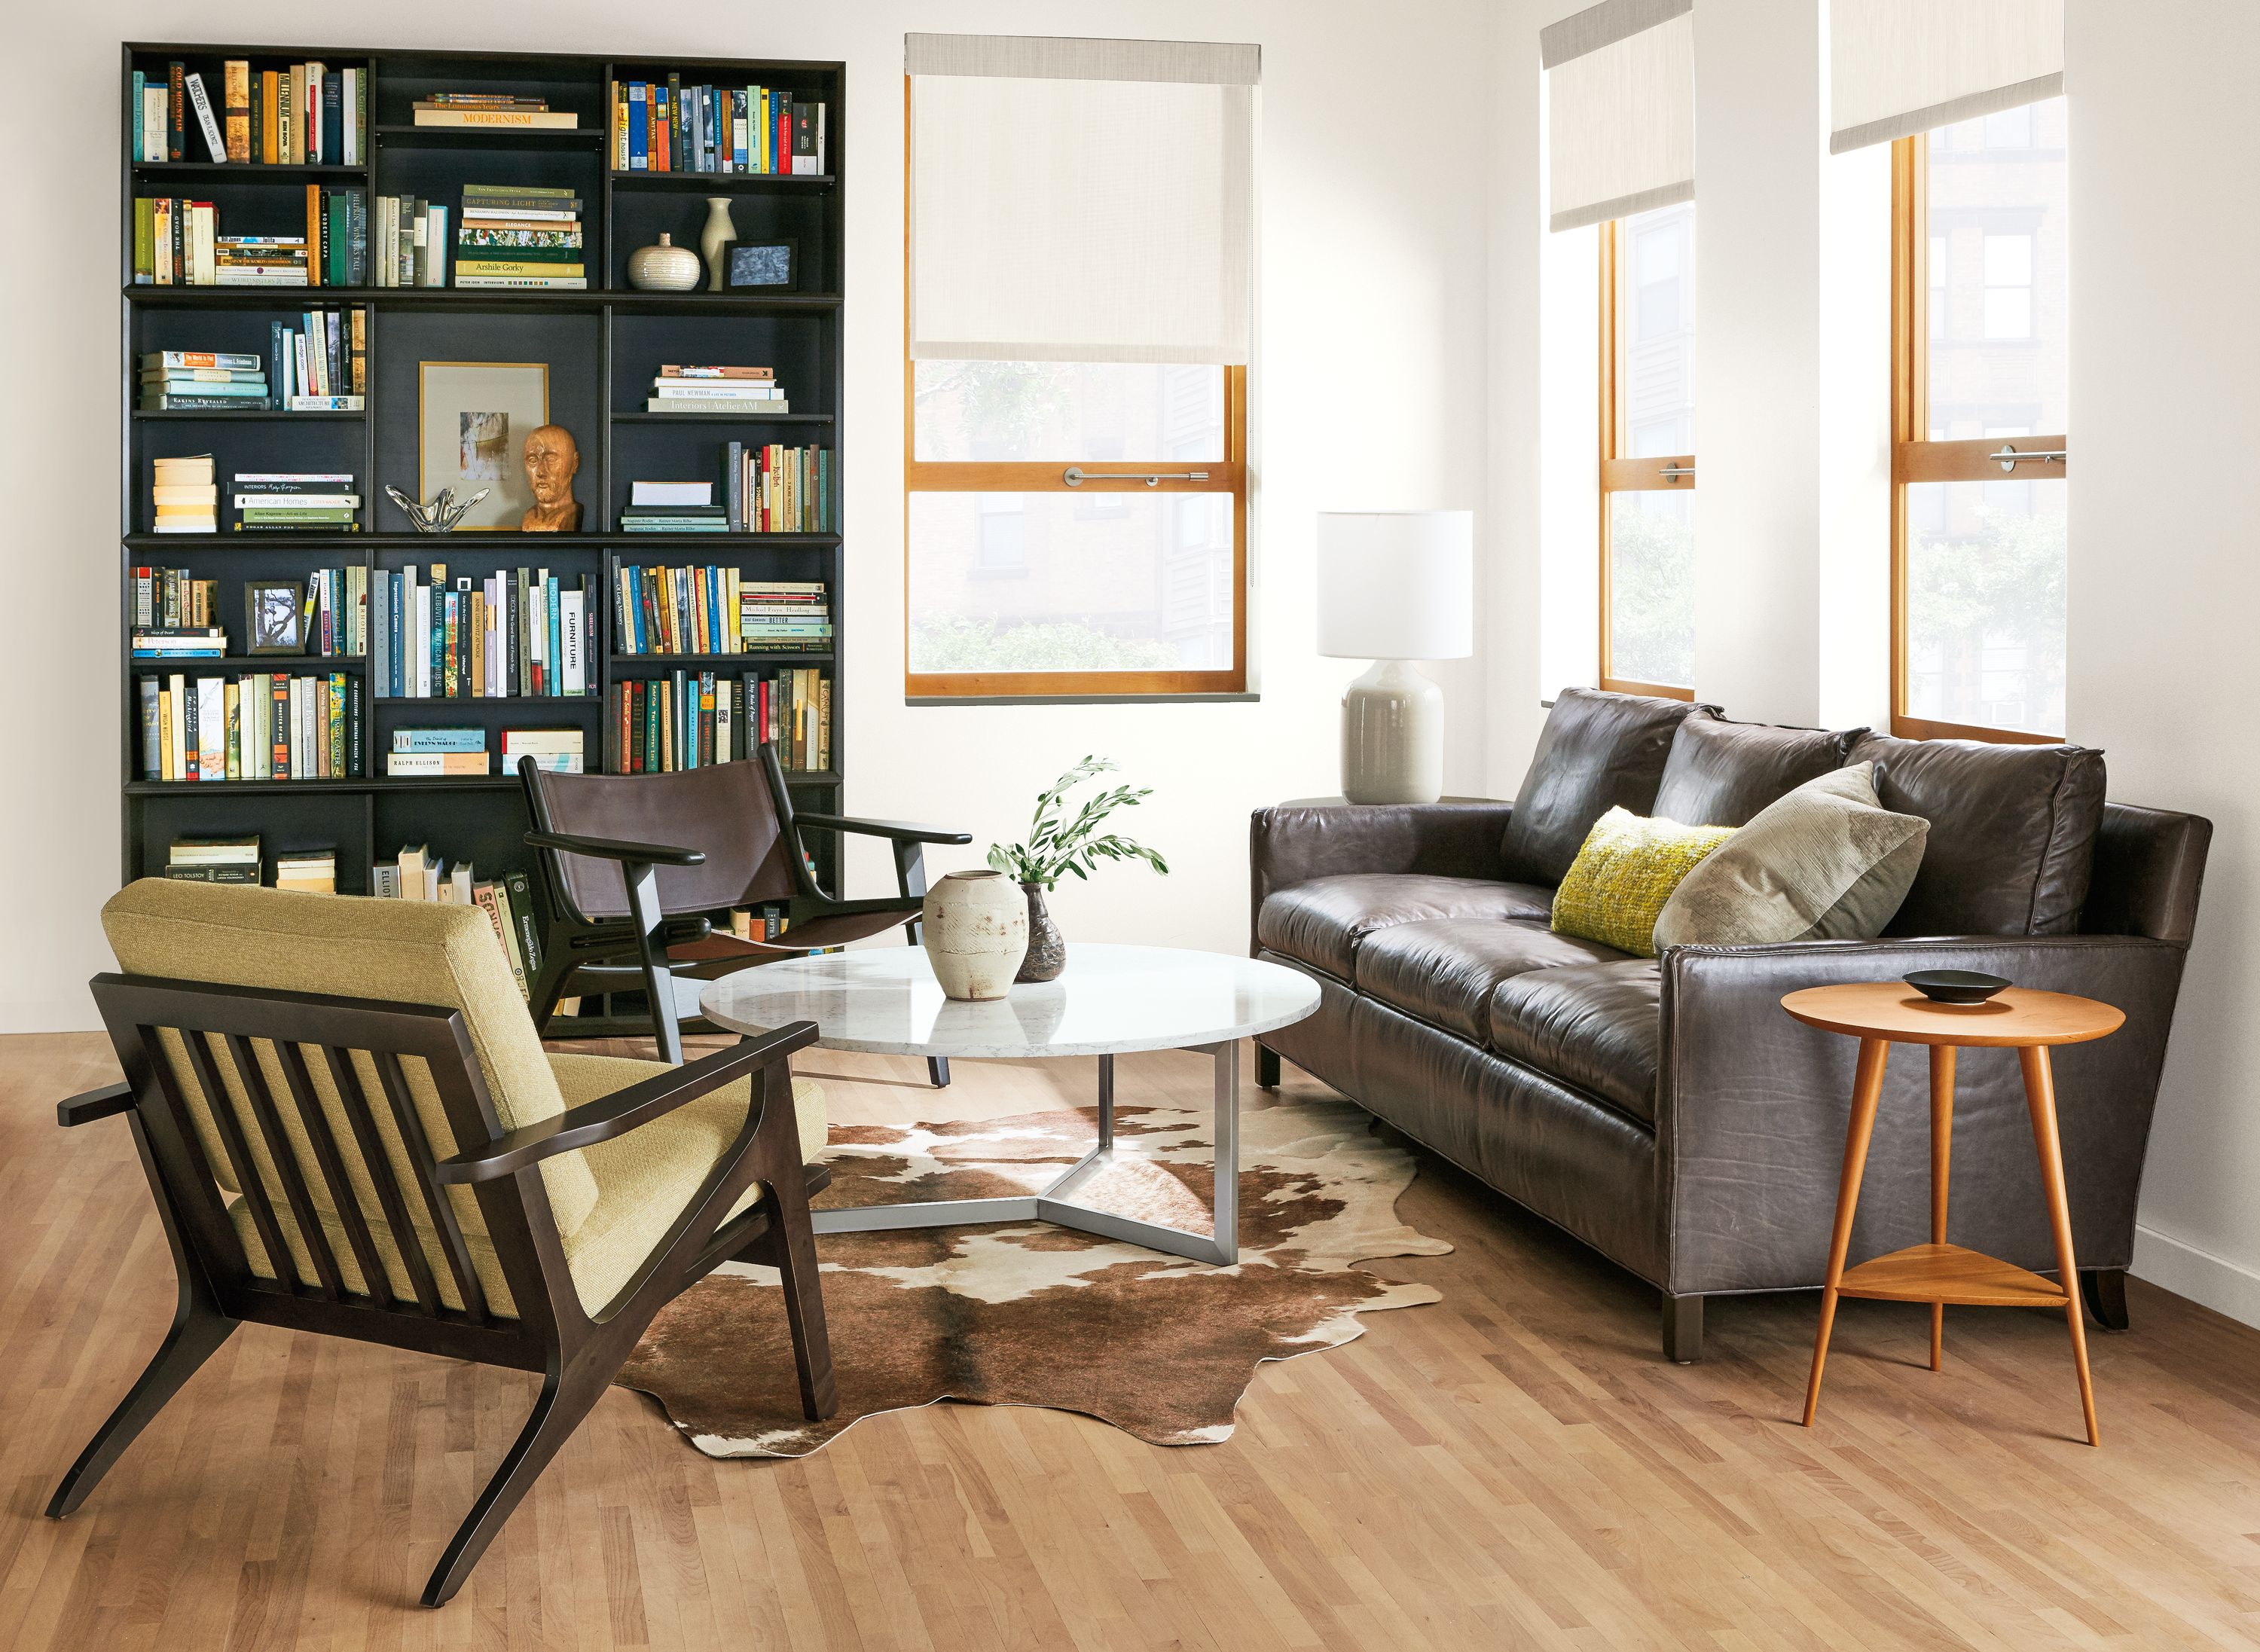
(1956, 986)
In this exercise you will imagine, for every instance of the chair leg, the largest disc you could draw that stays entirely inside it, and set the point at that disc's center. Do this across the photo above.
(549, 986)
(1267, 1068)
(1683, 1329)
(565, 1400)
(789, 1247)
(2105, 1291)
(937, 1071)
(198, 1329)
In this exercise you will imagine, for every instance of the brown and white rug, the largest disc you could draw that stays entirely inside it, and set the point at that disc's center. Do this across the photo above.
(1031, 1314)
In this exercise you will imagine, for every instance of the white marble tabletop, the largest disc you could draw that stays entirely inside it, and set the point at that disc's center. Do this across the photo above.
(1110, 1000)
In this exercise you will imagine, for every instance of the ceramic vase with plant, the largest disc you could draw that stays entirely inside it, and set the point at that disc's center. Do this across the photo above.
(1062, 839)
(974, 928)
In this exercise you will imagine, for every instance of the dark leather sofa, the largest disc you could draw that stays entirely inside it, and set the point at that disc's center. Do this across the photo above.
(1666, 1110)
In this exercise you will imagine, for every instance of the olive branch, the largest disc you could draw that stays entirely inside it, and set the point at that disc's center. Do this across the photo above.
(1059, 842)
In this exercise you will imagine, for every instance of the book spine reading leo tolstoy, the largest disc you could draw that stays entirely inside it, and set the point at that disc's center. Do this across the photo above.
(259, 725)
(666, 127)
(691, 720)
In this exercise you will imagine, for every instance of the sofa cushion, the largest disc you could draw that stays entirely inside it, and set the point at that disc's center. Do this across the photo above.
(2012, 832)
(1721, 772)
(1595, 1027)
(1626, 871)
(1321, 922)
(1445, 969)
(1598, 752)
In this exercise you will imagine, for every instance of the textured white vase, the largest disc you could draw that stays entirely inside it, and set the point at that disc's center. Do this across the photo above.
(1393, 736)
(974, 928)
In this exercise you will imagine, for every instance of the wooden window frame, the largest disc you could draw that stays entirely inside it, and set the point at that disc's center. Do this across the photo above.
(1915, 458)
(1228, 475)
(1618, 473)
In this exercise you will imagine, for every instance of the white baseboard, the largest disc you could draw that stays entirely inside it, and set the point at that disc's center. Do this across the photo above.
(2224, 1286)
(50, 1015)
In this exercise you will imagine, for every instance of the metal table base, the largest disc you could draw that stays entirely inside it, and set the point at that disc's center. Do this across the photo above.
(1052, 1205)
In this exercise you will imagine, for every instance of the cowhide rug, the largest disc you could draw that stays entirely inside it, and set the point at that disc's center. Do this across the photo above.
(1032, 1314)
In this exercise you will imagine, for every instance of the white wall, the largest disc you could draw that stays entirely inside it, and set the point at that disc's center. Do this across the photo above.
(1369, 390)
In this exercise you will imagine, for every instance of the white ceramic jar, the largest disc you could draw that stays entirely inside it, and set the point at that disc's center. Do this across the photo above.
(974, 928)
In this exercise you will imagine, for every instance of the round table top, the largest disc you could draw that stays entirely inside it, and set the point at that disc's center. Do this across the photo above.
(1110, 1000)
(2014, 1017)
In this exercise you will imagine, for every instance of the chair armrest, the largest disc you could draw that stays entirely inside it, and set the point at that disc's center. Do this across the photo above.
(617, 849)
(1751, 1104)
(900, 831)
(105, 1103)
(1292, 843)
(622, 1111)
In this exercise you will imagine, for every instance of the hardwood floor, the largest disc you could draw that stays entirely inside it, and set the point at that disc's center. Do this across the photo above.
(1515, 1467)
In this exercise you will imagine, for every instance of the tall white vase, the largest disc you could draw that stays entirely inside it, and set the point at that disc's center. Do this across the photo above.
(718, 235)
(974, 928)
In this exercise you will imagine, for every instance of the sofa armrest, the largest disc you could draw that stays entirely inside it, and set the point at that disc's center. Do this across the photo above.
(1292, 843)
(1751, 1109)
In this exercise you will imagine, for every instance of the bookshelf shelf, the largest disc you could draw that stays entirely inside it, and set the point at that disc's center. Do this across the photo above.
(602, 344)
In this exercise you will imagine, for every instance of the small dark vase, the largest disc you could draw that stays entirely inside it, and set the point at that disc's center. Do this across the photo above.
(1047, 946)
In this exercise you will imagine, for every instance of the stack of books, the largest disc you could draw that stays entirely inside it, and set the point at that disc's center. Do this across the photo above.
(168, 597)
(179, 642)
(517, 632)
(214, 860)
(673, 507)
(430, 753)
(717, 611)
(337, 613)
(258, 726)
(408, 237)
(776, 490)
(201, 381)
(666, 127)
(745, 392)
(784, 616)
(289, 116)
(557, 750)
(185, 495)
(689, 719)
(516, 235)
(300, 501)
(418, 873)
(321, 366)
(502, 110)
(309, 871)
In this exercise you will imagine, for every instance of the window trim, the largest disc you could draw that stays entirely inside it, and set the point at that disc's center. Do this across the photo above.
(1228, 475)
(1915, 458)
(1616, 472)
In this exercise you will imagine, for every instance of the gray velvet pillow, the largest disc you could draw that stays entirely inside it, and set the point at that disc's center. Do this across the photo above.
(1826, 862)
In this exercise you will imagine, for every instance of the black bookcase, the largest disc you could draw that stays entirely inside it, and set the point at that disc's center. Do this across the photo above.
(603, 346)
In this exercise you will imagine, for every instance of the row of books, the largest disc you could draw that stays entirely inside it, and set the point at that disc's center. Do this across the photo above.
(256, 727)
(666, 127)
(752, 392)
(177, 243)
(778, 490)
(424, 753)
(418, 873)
(321, 366)
(516, 632)
(297, 501)
(174, 616)
(170, 597)
(519, 235)
(714, 610)
(307, 113)
(693, 719)
(412, 242)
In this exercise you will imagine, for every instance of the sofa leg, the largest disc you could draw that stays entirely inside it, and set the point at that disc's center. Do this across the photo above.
(1267, 1068)
(1683, 1329)
(2104, 1289)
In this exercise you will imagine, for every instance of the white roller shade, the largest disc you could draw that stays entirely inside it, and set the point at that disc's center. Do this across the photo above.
(1620, 109)
(1900, 66)
(1076, 200)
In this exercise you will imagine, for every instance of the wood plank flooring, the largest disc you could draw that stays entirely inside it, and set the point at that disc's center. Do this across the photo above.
(1515, 1467)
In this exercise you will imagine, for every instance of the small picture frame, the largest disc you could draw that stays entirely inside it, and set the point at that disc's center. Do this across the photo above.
(274, 616)
(764, 266)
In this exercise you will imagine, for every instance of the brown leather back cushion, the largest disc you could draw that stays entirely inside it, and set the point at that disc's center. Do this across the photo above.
(724, 808)
(1723, 773)
(1598, 752)
(2012, 832)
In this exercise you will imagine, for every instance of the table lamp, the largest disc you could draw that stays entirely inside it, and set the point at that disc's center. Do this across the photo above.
(1395, 586)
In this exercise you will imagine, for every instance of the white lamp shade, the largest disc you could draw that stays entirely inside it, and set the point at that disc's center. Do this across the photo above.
(1396, 584)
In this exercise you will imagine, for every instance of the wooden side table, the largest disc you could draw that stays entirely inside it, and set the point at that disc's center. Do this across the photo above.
(1881, 1013)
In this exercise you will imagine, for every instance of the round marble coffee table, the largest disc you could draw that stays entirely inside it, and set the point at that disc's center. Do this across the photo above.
(1111, 1001)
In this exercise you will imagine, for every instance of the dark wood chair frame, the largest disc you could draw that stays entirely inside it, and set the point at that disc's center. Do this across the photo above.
(576, 1354)
(583, 955)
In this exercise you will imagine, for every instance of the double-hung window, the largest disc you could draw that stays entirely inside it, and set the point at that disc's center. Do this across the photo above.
(1080, 234)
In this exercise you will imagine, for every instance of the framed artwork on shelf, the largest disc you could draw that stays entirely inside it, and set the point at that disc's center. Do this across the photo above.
(472, 420)
(274, 616)
(772, 265)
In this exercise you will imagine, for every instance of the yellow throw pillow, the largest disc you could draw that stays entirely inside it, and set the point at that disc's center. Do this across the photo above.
(1626, 871)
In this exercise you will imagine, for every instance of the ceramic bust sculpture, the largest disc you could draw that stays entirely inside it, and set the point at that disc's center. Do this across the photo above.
(552, 461)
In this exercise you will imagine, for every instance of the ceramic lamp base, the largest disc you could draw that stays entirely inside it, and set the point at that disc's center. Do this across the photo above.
(1393, 736)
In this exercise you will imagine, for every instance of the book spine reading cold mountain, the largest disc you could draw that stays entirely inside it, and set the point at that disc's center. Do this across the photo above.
(177, 243)
(691, 720)
(304, 114)
(666, 127)
(514, 633)
(714, 610)
(255, 726)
